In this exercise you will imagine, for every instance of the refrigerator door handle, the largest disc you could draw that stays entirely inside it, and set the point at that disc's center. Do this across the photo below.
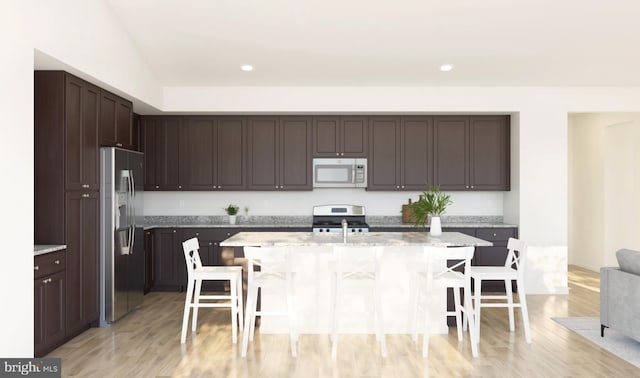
(132, 214)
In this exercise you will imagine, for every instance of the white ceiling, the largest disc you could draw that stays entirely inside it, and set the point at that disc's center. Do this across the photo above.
(387, 43)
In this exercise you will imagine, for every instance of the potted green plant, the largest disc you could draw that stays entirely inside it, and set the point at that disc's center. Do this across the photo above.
(431, 202)
(232, 212)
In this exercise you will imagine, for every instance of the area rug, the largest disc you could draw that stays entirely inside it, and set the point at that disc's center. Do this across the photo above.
(615, 342)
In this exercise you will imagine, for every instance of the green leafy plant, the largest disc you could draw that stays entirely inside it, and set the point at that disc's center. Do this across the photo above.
(231, 210)
(432, 201)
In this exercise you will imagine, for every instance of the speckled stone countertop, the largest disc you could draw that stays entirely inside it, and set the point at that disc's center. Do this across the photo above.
(41, 249)
(264, 239)
(306, 221)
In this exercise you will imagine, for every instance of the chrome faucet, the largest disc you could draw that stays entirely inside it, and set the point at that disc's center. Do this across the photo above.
(345, 224)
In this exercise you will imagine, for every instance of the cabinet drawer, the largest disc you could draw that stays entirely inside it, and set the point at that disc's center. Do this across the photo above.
(48, 263)
(496, 234)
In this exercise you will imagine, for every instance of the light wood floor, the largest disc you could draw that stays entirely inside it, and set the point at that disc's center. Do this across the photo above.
(147, 343)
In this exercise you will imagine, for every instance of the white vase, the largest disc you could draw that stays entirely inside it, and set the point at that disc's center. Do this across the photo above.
(232, 219)
(435, 228)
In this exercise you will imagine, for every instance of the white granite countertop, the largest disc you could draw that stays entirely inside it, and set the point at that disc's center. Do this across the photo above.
(264, 239)
(227, 225)
(41, 249)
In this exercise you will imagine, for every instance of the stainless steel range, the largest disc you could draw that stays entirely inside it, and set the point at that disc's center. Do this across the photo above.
(328, 218)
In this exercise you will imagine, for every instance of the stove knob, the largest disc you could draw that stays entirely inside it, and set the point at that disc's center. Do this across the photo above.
(359, 230)
(353, 230)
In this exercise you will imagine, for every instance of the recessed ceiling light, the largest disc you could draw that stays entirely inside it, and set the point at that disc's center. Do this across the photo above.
(246, 67)
(446, 67)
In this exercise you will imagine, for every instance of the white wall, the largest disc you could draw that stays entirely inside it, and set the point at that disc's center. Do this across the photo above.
(301, 203)
(16, 165)
(90, 42)
(621, 189)
(595, 160)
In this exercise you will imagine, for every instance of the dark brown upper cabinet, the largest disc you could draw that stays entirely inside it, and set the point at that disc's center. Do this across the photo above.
(116, 121)
(161, 143)
(384, 146)
(471, 153)
(340, 137)
(400, 157)
(214, 153)
(66, 113)
(279, 153)
(82, 109)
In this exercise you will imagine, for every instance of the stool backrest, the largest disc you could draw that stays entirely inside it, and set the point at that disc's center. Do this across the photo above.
(516, 260)
(191, 255)
(354, 260)
(462, 255)
(273, 261)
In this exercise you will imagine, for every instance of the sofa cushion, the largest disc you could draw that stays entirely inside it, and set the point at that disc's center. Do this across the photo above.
(629, 261)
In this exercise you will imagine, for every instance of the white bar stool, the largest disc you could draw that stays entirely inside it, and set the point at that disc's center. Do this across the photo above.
(356, 263)
(196, 273)
(513, 270)
(276, 273)
(445, 277)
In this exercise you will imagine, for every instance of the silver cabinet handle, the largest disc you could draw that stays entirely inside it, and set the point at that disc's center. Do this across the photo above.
(179, 186)
(210, 243)
(49, 279)
(119, 144)
(174, 231)
(402, 186)
(219, 187)
(57, 262)
(157, 186)
(85, 195)
(44, 281)
(471, 186)
(197, 233)
(36, 267)
(337, 153)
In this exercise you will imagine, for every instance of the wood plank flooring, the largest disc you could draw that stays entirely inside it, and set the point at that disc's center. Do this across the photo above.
(146, 343)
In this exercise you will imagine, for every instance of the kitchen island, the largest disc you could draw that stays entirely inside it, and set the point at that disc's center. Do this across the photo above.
(313, 254)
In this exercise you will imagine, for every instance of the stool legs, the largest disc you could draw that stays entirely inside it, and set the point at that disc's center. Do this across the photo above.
(187, 307)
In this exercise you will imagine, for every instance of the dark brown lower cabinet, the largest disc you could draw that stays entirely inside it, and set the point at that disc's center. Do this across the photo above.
(49, 302)
(169, 270)
(82, 257)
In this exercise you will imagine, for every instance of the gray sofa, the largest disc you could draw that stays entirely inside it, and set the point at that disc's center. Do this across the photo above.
(620, 295)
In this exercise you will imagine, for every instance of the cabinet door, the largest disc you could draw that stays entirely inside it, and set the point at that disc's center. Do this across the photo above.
(53, 309)
(230, 154)
(150, 146)
(384, 162)
(199, 145)
(170, 175)
(416, 153)
(263, 147)
(124, 124)
(73, 104)
(295, 154)
(353, 137)
(167, 257)
(148, 261)
(326, 137)
(90, 257)
(90, 141)
(49, 312)
(489, 153)
(81, 225)
(108, 118)
(451, 156)
(82, 102)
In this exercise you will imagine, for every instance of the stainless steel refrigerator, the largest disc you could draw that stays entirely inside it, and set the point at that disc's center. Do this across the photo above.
(121, 233)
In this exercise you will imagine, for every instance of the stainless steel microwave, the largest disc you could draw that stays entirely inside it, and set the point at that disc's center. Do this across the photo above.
(339, 173)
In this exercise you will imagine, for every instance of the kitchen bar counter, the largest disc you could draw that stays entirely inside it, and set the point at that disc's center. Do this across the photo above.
(312, 261)
(41, 249)
(311, 239)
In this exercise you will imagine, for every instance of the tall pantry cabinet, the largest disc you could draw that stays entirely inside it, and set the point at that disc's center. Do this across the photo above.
(66, 203)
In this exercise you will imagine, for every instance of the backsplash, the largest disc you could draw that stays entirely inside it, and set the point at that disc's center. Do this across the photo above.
(301, 220)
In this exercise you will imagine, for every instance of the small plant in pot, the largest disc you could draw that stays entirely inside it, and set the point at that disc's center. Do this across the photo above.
(232, 212)
(432, 202)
